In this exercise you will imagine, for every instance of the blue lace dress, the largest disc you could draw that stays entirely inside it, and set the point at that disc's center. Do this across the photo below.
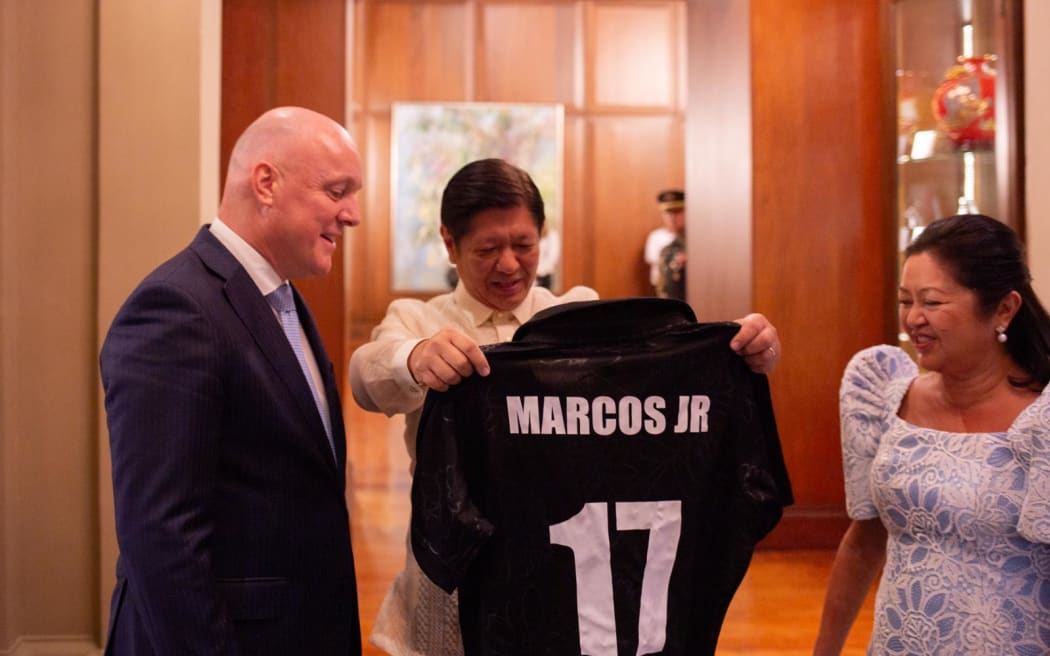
(968, 516)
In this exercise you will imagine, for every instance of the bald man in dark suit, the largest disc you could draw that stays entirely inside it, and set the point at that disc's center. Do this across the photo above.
(227, 438)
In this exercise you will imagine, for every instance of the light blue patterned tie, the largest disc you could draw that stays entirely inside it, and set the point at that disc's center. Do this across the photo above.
(281, 300)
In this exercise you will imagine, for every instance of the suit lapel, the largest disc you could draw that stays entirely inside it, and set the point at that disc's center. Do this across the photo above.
(327, 378)
(257, 316)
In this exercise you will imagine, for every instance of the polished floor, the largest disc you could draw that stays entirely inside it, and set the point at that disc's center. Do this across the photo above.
(774, 613)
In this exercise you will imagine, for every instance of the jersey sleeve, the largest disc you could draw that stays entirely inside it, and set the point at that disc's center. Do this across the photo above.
(867, 399)
(1030, 439)
(447, 528)
(762, 473)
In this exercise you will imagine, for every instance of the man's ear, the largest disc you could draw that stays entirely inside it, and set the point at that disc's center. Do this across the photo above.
(450, 244)
(264, 181)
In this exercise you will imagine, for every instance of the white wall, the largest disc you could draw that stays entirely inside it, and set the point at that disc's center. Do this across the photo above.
(1037, 142)
(158, 131)
(48, 518)
(109, 151)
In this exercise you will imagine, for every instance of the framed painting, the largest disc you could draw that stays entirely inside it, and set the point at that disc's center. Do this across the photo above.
(430, 142)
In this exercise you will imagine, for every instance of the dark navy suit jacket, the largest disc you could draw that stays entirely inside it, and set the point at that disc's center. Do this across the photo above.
(230, 510)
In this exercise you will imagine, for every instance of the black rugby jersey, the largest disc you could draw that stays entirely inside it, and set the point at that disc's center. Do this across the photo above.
(602, 490)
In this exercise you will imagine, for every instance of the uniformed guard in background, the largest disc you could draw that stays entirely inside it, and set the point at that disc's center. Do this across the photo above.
(665, 247)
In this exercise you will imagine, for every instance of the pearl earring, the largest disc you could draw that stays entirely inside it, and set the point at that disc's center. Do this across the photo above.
(1000, 334)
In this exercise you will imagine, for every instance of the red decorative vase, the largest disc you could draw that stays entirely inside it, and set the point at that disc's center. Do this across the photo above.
(964, 103)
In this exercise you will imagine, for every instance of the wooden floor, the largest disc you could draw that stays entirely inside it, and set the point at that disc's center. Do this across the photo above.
(775, 612)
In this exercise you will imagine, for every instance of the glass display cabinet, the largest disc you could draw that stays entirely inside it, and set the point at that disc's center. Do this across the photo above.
(958, 110)
(958, 68)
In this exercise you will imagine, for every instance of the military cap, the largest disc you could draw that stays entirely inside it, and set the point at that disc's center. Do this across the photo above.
(671, 200)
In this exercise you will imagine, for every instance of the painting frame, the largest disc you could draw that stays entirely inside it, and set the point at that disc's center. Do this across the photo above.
(430, 141)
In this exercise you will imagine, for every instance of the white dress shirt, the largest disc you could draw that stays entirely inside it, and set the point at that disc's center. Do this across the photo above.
(267, 280)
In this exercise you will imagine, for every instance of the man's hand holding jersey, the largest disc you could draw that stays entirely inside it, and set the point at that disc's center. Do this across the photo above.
(446, 358)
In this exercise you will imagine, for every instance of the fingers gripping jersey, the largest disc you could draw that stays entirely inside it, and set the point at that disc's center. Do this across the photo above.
(602, 490)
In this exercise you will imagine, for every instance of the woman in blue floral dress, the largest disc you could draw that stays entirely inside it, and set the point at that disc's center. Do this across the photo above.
(948, 471)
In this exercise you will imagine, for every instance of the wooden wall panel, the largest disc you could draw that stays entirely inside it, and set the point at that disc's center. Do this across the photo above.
(416, 51)
(510, 66)
(371, 262)
(632, 159)
(267, 63)
(310, 60)
(823, 245)
(530, 51)
(248, 35)
(578, 253)
(633, 55)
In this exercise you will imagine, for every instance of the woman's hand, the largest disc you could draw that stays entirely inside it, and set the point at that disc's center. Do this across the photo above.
(757, 343)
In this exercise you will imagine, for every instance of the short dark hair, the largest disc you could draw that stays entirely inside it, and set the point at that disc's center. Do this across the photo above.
(487, 184)
(986, 256)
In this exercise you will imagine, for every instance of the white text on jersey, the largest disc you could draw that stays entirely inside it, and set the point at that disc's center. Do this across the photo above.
(604, 415)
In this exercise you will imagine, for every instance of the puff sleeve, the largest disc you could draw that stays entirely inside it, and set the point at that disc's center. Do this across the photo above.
(1030, 439)
(873, 385)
